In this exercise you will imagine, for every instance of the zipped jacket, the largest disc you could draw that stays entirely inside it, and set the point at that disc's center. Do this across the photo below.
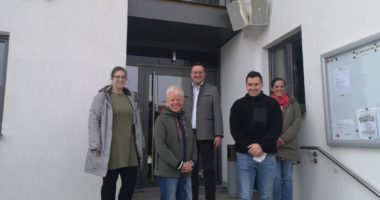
(100, 131)
(258, 120)
(290, 128)
(169, 145)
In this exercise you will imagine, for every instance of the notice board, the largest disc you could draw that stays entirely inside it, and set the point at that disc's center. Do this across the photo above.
(351, 82)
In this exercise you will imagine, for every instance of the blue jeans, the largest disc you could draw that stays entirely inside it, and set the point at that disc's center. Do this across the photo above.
(248, 169)
(283, 183)
(175, 188)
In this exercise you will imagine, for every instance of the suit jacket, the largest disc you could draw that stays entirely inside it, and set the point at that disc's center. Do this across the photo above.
(209, 114)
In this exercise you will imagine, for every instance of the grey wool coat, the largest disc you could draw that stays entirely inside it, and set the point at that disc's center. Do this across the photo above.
(290, 128)
(100, 131)
(209, 114)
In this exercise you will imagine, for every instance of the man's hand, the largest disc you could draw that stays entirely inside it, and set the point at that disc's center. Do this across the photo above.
(255, 150)
(217, 141)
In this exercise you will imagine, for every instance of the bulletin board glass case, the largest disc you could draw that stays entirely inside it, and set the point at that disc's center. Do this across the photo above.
(351, 82)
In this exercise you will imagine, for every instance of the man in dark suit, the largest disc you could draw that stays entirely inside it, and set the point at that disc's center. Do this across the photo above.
(202, 106)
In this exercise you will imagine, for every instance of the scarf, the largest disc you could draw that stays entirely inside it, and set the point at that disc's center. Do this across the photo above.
(181, 131)
(282, 100)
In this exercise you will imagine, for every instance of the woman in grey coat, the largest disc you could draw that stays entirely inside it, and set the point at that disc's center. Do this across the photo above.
(287, 144)
(115, 137)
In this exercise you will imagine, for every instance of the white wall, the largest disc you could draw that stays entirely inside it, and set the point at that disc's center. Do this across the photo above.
(60, 54)
(325, 25)
(325, 180)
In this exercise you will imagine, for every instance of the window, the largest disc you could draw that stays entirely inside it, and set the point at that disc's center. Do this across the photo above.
(3, 69)
(286, 61)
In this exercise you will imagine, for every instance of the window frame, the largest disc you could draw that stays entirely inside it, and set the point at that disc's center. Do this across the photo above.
(3, 64)
(290, 66)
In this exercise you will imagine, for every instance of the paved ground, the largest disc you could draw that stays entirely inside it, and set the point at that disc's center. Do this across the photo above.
(154, 194)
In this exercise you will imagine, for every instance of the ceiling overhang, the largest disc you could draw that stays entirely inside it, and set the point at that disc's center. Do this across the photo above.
(171, 25)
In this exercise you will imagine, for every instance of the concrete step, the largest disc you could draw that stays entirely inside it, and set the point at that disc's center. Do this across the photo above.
(154, 194)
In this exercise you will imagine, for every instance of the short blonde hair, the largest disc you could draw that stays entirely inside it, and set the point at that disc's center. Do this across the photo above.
(174, 89)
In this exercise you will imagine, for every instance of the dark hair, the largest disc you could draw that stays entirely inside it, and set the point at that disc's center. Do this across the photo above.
(253, 74)
(197, 64)
(117, 68)
(275, 80)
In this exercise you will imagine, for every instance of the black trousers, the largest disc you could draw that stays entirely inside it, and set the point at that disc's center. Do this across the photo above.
(205, 163)
(128, 182)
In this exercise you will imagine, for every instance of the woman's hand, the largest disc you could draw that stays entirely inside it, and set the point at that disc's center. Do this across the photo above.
(96, 152)
(187, 167)
(280, 142)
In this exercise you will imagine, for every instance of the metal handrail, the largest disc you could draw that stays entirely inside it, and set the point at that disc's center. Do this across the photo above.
(344, 168)
(205, 3)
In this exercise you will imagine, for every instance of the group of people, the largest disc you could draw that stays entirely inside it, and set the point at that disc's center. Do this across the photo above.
(186, 134)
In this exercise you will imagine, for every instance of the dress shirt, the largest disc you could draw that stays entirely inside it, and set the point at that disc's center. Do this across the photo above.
(196, 89)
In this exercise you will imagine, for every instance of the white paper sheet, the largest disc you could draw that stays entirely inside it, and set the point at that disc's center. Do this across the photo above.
(367, 123)
(345, 130)
(260, 158)
(342, 81)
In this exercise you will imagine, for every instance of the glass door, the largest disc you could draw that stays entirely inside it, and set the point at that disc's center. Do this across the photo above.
(153, 82)
(153, 100)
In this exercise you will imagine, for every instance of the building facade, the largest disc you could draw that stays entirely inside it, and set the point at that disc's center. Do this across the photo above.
(59, 53)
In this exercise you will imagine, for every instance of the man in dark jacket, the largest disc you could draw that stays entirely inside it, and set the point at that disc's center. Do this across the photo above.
(255, 123)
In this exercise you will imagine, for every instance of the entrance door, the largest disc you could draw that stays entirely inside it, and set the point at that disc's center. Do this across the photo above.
(153, 82)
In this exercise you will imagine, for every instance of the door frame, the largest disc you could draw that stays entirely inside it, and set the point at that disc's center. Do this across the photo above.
(3, 67)
(144, 71)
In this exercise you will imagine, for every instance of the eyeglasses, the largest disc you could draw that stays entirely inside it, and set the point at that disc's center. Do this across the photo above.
(120, 77)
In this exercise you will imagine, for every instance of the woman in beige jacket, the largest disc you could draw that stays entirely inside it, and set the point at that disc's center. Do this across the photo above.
(287, 144)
